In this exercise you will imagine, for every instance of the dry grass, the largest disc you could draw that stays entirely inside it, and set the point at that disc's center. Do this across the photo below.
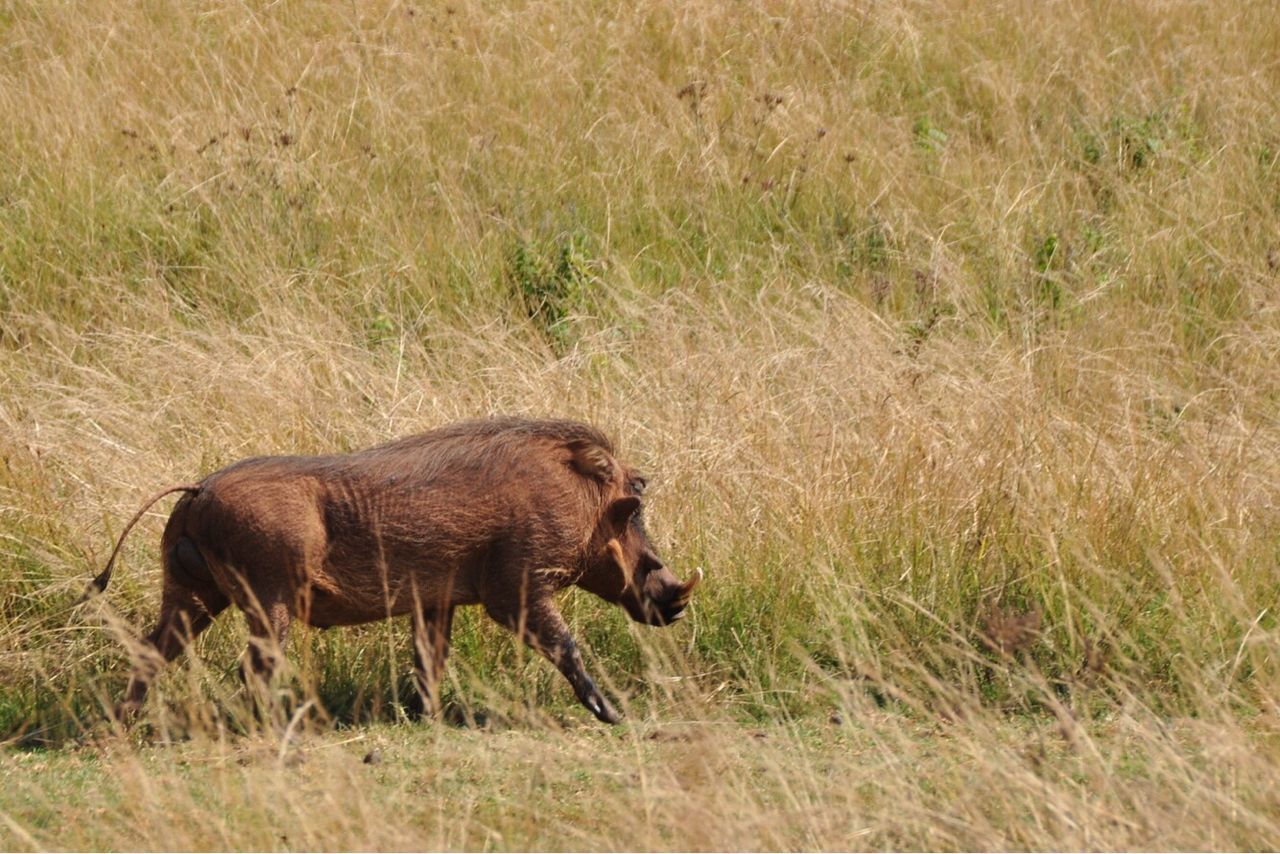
(1132, 783)
(948, 335)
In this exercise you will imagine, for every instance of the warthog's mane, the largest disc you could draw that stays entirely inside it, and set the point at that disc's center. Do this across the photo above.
(487, 440)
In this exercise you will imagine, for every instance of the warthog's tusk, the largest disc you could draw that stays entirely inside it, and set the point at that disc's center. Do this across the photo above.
(686, 589)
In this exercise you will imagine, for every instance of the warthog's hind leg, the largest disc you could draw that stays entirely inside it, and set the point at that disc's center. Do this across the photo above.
(268, 628)
(431, 629)
(183, 616)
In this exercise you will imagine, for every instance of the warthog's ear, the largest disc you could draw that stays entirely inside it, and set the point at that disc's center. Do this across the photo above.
(591, 460)
(619, 514)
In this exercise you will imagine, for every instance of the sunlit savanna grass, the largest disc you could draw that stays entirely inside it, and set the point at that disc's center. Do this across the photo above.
(947, 335)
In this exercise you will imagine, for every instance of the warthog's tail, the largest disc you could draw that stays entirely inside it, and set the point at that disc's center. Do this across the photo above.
(99, 584)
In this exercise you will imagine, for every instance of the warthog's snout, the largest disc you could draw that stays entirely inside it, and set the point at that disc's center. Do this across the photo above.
(667, 604)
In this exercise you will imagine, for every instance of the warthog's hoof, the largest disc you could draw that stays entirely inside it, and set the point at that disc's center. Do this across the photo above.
(125, 712)
(600, 707)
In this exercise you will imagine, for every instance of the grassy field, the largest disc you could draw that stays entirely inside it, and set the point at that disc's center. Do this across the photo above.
(948, 335)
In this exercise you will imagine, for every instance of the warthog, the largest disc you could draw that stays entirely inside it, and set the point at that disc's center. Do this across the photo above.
(502, 513)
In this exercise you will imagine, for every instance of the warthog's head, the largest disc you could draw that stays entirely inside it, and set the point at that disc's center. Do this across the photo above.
(626, 570)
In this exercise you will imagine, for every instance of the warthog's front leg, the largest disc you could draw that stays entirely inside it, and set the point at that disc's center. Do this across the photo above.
(544, 629)
(431, 628)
